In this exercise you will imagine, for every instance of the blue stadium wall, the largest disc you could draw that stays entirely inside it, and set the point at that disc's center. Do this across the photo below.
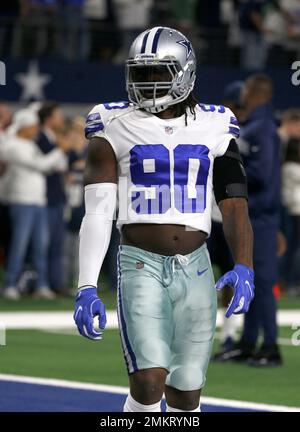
(94, 83)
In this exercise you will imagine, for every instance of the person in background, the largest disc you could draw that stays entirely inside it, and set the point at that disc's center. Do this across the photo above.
(207, 13)
(35, 31)
(291, 13)
(288, 131)
(104, 39)
(212, 40)
(161, 12)
(73, 29)
(132, 16)
(10, 11)
(26, 196)
(52, 120)
(183, 14)
(291, 202)
(275, 31)
(5, 117)
(75, 202)
(261, 155)
(5, 120)
(289, 128)
(253, 45)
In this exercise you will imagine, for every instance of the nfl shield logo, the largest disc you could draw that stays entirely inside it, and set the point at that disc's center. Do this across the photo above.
(169, 130)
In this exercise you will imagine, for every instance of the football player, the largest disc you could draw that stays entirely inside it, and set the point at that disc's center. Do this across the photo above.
(163, 155)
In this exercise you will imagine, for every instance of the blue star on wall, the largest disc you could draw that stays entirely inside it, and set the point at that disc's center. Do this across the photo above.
(187, 45)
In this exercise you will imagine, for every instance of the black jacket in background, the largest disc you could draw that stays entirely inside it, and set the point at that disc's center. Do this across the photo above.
(55, 181)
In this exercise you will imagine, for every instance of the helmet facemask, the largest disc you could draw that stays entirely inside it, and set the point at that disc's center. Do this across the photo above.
(154, 85)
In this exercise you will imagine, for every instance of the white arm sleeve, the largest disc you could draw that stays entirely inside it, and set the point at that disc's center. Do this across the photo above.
(94, 236)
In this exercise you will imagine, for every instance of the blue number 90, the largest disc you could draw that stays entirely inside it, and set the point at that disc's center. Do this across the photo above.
(160, 184)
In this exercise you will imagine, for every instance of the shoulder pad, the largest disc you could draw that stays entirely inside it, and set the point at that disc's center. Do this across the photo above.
(233, 124)
(225, 117)
(99, 116)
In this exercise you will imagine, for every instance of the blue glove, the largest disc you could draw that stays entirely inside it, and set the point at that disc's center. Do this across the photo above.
(241, 279)
(87, 306)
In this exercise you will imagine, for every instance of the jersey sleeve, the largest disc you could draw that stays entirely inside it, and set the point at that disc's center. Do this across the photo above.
(227, 129)
(94, 125)
(100, 122)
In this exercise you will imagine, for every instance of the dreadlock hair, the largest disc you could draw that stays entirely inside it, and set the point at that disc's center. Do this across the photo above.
(188, 104)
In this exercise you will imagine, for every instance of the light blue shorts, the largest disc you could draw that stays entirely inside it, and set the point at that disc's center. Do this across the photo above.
(167, 313)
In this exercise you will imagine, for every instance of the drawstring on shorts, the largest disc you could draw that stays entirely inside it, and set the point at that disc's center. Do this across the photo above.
(169, 267)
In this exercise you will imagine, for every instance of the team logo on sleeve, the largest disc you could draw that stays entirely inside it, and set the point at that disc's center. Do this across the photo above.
(93, 116)
(93, 124)
(234, 128)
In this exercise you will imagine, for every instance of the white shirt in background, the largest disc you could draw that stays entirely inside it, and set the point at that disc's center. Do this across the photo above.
(3, 178)
(133, 14)
(25, 180)
(291, 187)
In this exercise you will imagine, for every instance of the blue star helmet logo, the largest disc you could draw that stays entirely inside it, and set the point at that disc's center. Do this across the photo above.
(187, 45)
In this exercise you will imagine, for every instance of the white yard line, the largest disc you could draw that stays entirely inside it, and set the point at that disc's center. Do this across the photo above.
(46, 320)
(64, 320)
(124, 390)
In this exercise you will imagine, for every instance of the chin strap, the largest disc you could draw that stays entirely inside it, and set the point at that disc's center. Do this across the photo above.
(156, 109)
(163, 106)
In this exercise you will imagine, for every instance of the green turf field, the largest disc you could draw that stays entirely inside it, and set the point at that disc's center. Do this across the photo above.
(71, 357)
(66, 355)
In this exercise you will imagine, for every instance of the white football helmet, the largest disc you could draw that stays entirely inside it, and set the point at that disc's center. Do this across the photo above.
(160, 70)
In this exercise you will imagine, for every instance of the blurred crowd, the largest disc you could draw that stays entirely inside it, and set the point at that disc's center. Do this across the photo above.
(250, 33)
(42, 158)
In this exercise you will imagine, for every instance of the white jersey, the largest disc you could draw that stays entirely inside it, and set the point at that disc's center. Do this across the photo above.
(165, 167)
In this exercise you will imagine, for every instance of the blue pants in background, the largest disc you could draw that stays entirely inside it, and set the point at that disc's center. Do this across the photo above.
(290, 262)
(29, 226)
(56, 246)
(262, 311)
